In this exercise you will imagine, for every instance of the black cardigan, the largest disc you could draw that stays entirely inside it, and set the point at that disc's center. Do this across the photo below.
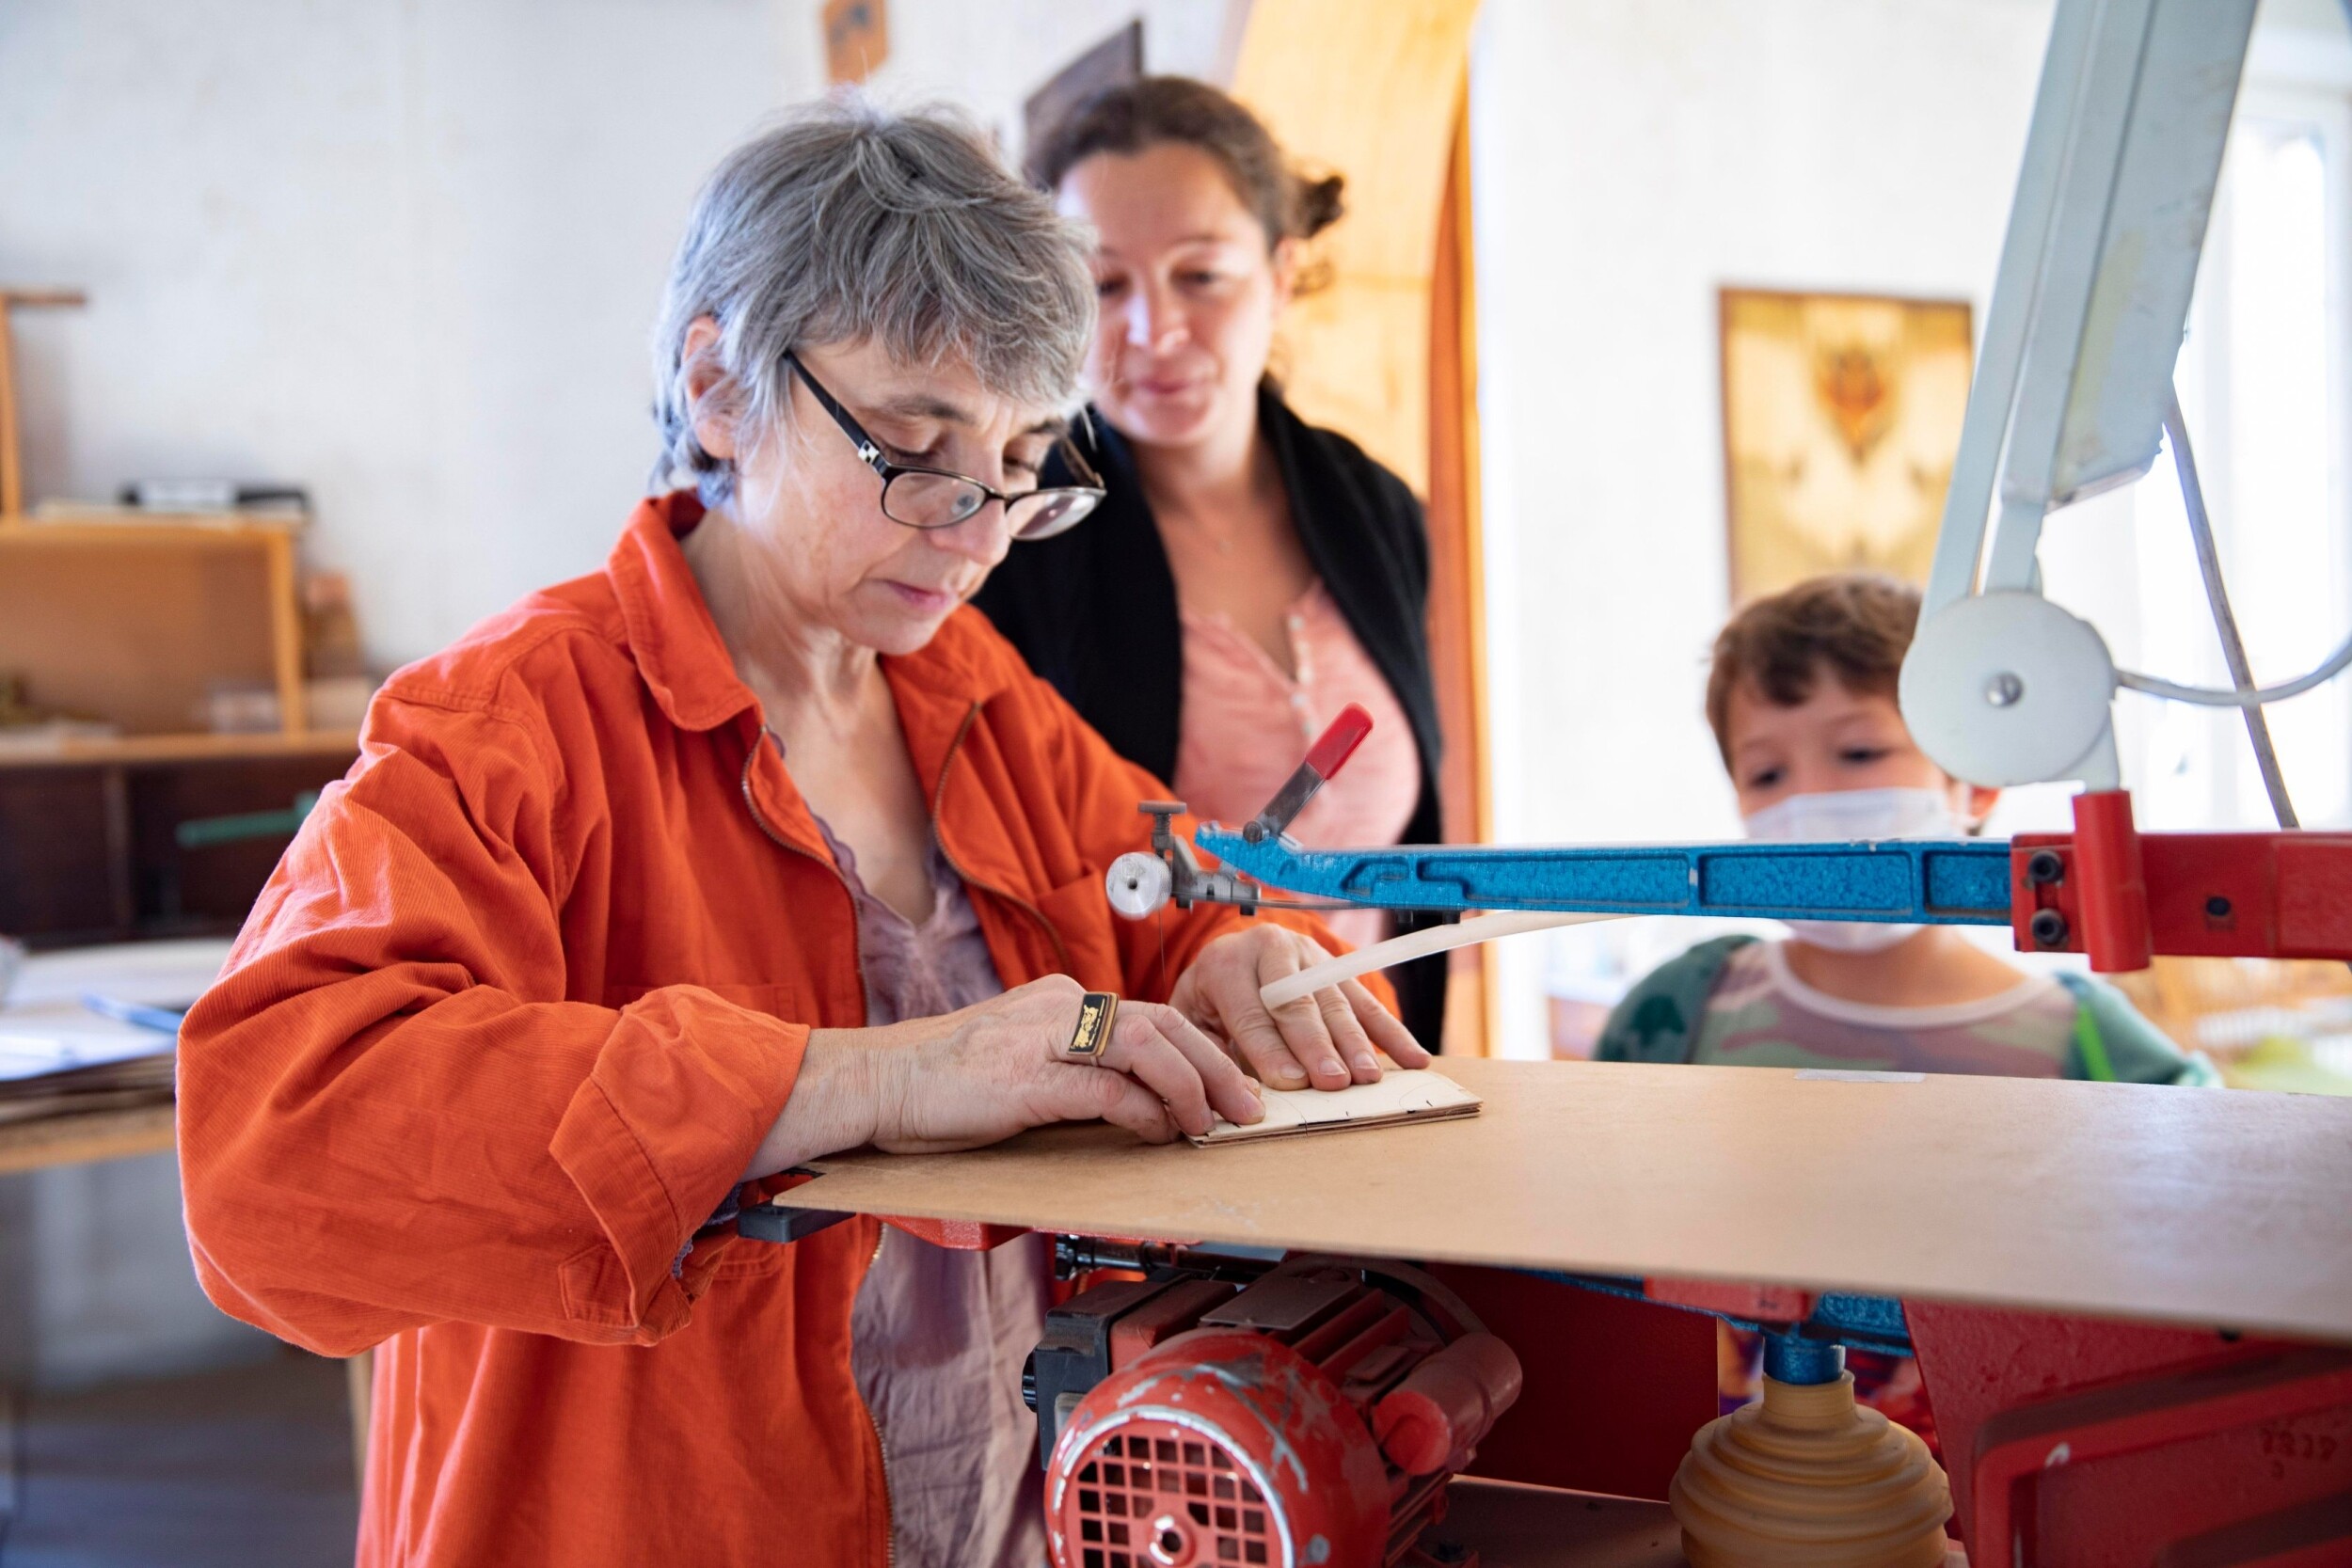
(1094, 611)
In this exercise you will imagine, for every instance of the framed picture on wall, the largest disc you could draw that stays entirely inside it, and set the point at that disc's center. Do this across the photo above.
(1841, 419)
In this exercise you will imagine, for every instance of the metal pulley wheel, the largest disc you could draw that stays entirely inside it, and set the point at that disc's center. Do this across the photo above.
(1138, 884)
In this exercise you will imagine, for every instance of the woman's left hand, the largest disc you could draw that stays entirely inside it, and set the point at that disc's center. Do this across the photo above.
(1326, 1038)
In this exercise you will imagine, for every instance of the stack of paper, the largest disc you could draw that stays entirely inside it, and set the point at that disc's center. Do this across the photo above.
(94, 1029)
(47, 1077)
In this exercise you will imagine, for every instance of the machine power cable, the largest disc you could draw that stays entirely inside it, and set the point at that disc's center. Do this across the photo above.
(2224, 619)
(2249, 697)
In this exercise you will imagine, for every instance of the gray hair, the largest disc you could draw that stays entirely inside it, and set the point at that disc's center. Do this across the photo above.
(845, 223)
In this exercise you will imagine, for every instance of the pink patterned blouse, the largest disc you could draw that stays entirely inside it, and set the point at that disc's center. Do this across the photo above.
(1246, 724)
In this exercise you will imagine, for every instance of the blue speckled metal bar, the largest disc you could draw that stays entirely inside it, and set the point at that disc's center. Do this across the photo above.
(1962, 883)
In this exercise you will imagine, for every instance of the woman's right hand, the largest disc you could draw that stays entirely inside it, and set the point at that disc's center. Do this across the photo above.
(979, 1075)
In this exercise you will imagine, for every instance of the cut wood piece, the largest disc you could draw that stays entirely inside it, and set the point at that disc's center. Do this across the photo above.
(1398, 1097)
(2195, 1206)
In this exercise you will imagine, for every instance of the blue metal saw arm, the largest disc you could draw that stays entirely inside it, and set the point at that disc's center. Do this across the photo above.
(1933, 881)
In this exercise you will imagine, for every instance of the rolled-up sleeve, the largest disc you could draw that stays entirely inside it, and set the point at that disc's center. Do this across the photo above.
(390, 1114)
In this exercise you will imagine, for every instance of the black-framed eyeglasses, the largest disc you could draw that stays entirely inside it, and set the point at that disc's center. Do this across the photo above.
(925, 498)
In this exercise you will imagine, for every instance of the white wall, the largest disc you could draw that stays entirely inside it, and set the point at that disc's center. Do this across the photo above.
(1632, 156)
(403, 251)
(406, 252)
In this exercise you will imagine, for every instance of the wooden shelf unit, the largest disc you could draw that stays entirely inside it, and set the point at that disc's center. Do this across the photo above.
(89, 844)
(137, 621)
(142, 750)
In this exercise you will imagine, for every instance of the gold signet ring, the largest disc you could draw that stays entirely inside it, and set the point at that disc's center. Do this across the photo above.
(1096, 1009)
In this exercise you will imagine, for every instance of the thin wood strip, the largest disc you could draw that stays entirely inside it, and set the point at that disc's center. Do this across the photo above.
(1457, 572)
(294, 708)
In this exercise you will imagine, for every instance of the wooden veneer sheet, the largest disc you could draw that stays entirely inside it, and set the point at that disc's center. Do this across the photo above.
(1398, 1097)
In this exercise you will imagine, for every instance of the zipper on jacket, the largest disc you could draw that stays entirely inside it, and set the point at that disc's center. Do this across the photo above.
(857, 956)
(939, 803)
(882, 1442)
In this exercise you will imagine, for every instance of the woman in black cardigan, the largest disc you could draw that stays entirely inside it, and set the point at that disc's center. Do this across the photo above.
(1264, 569)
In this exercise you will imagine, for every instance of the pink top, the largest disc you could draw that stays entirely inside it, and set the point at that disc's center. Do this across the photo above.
(1246, 725)
(937, 1337)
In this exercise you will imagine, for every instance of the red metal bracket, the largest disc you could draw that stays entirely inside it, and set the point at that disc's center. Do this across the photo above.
(2072, 1440)
(2269, 1392)
(2114, 894)
(2119, 895)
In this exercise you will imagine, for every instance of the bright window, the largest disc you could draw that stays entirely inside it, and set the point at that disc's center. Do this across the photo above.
(2263, 383)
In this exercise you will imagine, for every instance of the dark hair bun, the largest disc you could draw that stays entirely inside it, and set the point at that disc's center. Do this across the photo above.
(1319, 205)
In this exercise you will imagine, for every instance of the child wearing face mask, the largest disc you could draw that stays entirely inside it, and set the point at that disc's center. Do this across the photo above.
(1802, 700)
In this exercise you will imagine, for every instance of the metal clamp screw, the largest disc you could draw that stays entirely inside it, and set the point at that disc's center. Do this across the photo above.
(2044, 866)
(2048, 927)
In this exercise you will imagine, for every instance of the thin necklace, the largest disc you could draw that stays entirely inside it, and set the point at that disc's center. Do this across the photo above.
(1221, 542)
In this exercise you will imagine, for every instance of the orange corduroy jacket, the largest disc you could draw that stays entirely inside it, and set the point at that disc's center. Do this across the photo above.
(509, 1020)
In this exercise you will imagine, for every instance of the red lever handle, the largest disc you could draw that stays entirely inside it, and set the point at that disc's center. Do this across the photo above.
(1336, 745)
(1333, 748)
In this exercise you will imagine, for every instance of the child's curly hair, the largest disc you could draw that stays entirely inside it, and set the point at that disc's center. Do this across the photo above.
(1856, 624)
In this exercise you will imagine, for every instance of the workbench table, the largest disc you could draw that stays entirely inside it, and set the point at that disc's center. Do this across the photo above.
(2229, 1209)
(73, 1140)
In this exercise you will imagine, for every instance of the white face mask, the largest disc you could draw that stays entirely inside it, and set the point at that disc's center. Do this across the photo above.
(1846, 815)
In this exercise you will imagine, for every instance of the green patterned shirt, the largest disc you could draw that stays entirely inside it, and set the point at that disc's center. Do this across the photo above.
(1734, 1002)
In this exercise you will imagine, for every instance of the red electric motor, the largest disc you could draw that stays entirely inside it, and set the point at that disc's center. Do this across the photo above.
(1310, 1416)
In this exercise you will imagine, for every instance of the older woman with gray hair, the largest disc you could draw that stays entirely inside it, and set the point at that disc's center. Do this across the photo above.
(755, 845)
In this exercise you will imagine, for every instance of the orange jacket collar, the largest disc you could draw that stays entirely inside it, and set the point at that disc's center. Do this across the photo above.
(677, 646)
